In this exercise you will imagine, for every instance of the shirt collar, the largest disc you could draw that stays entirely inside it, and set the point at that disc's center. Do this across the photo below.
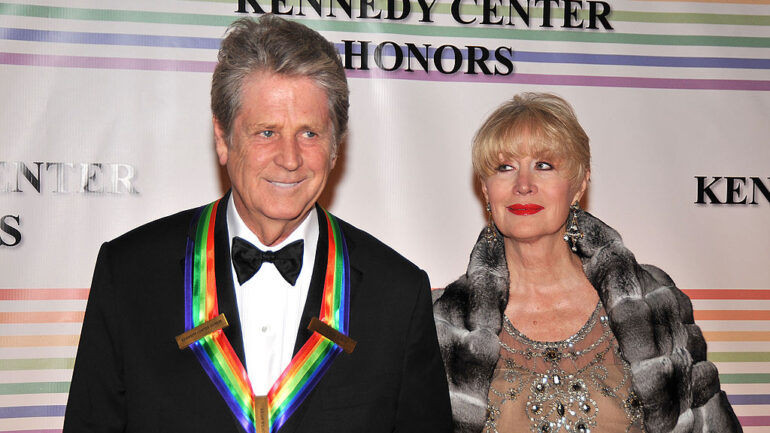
(307, 230)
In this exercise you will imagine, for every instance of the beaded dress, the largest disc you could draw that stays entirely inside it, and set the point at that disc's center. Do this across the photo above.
(578, 385)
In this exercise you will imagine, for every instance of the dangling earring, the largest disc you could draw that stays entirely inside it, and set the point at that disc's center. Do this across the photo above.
(573, 231)
(490, 234)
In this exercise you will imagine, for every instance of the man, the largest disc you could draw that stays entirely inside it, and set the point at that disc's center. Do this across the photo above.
(279, 102)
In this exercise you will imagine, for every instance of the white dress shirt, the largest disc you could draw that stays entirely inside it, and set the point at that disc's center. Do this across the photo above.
(270, 308)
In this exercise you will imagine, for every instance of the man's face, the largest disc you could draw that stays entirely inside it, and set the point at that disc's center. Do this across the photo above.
(279, 157)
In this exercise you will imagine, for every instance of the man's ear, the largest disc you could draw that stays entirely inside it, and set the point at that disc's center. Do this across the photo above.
(220, 141)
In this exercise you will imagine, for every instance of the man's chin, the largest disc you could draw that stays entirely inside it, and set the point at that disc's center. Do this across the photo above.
(287, 214)
(276, 207)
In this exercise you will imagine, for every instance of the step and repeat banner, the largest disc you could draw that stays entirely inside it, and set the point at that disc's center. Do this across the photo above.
(105, 124)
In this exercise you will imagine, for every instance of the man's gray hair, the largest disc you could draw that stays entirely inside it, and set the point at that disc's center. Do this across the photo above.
(274, 45)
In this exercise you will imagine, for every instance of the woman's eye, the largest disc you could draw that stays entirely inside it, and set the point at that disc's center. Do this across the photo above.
(542, 165)
(504, 167)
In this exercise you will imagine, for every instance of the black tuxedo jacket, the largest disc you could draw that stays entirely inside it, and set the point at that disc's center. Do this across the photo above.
(130, 376)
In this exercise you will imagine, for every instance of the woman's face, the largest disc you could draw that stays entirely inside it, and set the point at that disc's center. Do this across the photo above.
(530, 198)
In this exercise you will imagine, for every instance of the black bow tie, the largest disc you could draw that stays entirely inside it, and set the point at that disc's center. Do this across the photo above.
(247, 260)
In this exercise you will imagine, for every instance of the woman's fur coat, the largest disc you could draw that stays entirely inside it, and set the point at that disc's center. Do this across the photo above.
(651, 319)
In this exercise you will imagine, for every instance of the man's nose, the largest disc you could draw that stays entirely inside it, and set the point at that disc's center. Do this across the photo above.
(289, 155)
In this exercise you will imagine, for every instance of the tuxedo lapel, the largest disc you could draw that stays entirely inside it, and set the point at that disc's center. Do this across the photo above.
(226, 299)
(315, 291)
(313, 305)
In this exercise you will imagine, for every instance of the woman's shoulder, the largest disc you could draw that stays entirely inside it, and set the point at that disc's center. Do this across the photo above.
(452, 301)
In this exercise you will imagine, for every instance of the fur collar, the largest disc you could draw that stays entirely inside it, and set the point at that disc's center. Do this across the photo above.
(651, 319)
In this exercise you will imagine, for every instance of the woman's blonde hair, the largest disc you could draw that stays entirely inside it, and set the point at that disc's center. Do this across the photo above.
(541, 125)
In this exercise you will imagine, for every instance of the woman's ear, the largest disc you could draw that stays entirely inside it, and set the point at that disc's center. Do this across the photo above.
(582, 188)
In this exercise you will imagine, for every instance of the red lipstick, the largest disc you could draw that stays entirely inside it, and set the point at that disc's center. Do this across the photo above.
(524, 209)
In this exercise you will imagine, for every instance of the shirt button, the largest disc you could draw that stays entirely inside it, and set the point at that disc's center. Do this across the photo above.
(265, 329)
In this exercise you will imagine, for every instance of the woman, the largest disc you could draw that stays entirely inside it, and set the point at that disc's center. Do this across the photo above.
(555, 327)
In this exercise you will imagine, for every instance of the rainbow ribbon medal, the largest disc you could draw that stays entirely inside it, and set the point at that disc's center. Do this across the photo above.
(217, 356)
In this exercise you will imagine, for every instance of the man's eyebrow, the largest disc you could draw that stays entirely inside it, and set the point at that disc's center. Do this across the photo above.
(254, 127)
(317, 127)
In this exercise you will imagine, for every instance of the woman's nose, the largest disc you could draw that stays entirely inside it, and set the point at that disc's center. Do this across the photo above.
(524, 184)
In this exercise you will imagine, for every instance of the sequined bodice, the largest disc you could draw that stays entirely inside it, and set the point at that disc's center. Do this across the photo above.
(579, 385)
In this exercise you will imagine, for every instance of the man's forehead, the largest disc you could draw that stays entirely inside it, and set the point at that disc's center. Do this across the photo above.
(274, 78)
(277, 95)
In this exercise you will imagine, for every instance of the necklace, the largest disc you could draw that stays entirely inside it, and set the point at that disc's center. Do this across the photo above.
(561, 393)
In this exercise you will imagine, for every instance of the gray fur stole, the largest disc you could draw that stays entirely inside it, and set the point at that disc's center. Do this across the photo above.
(651, 318)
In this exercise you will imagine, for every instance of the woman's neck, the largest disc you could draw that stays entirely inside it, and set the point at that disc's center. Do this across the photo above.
(549, 296)
(543, 265)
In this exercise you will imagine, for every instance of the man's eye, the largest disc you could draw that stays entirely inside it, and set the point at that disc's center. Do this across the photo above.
(309, 134)
(267, 134)
(542, 165)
